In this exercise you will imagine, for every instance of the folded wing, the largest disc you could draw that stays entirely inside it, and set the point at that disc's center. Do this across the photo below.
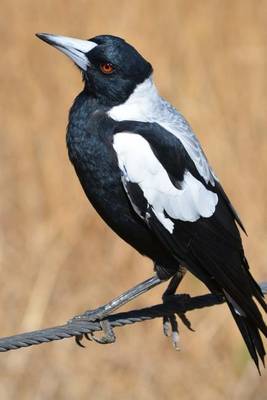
(193, 219)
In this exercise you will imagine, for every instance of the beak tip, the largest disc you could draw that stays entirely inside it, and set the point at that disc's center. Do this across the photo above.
(39, 35)
(46, 37)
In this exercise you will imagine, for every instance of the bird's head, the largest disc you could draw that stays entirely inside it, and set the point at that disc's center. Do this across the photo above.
(111, 67)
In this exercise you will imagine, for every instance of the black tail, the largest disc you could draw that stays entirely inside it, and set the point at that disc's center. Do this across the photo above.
(215, 255)
(251, 335)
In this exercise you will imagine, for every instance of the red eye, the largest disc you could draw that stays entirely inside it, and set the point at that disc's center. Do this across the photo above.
(106, 68)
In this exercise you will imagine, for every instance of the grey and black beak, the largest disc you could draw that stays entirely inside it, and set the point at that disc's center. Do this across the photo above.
(76, 49)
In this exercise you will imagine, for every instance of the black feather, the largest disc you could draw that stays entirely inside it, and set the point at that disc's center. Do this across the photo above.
(251, 336)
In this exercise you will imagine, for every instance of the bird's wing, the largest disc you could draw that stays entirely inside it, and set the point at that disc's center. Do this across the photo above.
(173, 121)
(167, 176)
(194, 220)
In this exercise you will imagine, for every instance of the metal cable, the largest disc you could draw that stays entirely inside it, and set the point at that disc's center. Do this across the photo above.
(175, 304)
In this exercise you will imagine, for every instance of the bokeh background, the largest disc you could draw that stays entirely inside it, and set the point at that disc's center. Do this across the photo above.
(58, 258)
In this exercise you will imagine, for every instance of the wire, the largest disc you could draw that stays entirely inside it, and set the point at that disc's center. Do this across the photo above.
(179, 304)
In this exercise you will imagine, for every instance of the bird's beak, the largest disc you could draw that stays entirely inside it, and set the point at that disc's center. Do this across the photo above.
(76, 49)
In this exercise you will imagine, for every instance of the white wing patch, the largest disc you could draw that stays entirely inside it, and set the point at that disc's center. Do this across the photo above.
(140, 165)
(145, 105)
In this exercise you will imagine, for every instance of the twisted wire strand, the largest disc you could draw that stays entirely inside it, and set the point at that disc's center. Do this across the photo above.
(175, 304)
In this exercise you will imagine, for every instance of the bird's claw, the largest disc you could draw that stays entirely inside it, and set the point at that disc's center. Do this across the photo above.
(109, 335)
(170, 324)
(107, 338)
(185, 321)
(79, 338)
(170, 329)
(166, 326)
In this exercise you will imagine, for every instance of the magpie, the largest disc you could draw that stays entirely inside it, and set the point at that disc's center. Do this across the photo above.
(144, 171)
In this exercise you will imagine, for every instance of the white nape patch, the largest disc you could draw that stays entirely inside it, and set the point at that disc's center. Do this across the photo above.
(138, 106)
(145, 105)
(140, 165)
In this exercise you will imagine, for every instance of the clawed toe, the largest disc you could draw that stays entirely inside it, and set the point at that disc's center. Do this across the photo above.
(185, 321)
(170, 324)
(170, 329)
(109, 335)
(166, 326)
(78, 340)
(107, 338)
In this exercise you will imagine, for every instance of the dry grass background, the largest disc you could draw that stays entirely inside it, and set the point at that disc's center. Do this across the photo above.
(58, 257)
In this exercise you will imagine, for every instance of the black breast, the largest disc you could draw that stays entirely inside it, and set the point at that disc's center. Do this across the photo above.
(90, 146)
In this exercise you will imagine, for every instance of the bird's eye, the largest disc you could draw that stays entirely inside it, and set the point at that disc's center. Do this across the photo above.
(106, 68)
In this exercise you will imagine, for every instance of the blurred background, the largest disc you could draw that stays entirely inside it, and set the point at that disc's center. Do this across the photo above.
(57, 257)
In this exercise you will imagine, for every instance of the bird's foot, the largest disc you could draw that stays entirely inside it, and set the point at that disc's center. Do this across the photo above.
(93, 316)
(107, 338)
(170, 324)
(101, 314)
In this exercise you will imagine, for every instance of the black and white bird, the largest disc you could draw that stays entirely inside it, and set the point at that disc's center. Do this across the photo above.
(144, 171)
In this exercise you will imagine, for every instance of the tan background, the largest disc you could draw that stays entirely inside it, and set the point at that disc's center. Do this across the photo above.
(58, 257)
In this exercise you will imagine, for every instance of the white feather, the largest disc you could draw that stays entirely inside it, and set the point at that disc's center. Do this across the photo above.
(145, 105)
(139, 165)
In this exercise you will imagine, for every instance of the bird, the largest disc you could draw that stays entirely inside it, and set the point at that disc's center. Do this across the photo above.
(144, 171)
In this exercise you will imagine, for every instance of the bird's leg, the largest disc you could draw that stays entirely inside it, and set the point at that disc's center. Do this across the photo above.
(124, 298)
(104, 311)
(170, 325)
